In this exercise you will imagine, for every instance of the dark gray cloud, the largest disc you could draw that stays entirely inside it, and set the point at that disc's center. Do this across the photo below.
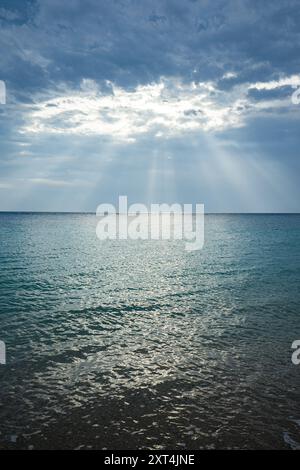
(132, 42)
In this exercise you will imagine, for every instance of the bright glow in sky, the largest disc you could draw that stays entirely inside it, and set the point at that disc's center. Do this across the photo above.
(151, 99)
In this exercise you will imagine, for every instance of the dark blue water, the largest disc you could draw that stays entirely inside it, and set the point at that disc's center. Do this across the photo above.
(141, 344)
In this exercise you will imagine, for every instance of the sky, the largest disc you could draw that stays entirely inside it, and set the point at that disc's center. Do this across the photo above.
(186, 101)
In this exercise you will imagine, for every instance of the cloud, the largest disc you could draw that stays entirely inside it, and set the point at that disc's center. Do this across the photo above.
(5, 185)
(131, 43)
(168, 107)
(292, 81)
(106, 93)
(51, 182)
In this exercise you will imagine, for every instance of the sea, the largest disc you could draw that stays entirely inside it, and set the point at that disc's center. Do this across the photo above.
(141, 344)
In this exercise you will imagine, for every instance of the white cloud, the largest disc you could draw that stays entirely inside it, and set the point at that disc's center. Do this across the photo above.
(5, 186)
(168, 107)
(229, 75)
(292, 81)
(54, 182)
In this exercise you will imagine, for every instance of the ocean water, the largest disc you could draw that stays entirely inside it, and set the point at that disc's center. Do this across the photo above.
(141, 344)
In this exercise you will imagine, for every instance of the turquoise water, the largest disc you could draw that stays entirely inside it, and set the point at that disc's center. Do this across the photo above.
(140, 344)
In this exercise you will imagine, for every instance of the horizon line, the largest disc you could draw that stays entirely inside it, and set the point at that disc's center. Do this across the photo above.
(118, 213)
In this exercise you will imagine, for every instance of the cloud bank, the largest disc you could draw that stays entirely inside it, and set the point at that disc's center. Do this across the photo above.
(113, 96)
